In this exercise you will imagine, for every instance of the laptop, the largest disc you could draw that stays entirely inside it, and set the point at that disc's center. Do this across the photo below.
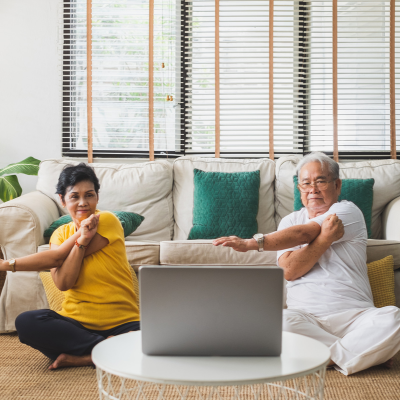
(211, 310)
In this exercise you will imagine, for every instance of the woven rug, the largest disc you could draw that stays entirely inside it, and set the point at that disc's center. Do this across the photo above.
(24, 375)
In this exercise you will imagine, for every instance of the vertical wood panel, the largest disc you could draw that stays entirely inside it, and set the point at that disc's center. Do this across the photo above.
(89, 80)
(151, 80)
(217, 94)
(334, 81)
(393, 152)
(271, 79)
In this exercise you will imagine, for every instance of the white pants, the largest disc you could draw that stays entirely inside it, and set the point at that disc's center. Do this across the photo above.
(357, 339)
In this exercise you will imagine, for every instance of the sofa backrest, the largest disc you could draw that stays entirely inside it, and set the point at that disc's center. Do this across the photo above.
(386, 188)
(184, 189)
(143, 188)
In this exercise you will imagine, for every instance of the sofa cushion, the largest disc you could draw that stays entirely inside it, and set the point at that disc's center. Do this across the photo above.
(387, 185)
(225, 204)
(142, 188)
(139, 253)
(129, 221)
(184, 189)
(203, 252)
(378, 249)
(381, 279)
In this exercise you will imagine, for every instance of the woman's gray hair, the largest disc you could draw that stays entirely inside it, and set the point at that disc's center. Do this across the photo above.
(322, 158)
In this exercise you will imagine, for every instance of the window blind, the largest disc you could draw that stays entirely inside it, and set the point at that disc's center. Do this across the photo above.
(244, 78)
(120, 77)
(363, 77)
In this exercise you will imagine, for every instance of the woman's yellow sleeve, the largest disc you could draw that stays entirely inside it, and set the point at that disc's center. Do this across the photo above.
(110, 227)
(58, 236)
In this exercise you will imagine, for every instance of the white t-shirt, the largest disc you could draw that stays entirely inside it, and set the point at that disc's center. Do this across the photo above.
(339, 280)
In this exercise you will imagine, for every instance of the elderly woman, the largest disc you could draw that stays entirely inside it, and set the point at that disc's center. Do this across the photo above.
(88, 262)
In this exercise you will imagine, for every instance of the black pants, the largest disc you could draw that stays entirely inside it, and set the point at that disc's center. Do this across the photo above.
(53, 334)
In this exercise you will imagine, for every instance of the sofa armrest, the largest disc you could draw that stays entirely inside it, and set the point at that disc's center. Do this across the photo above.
(23, 221)
(391, 220)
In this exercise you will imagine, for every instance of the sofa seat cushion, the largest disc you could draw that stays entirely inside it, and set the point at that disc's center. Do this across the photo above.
(378, 249)
(139, 253)
(203, 252)
(141, 188)
(183, 192)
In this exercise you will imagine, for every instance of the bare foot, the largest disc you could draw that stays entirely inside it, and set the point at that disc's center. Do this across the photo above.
(66, 360)
(388, 364)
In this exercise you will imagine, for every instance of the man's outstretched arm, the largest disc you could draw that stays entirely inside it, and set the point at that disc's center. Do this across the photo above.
(280, 240)
(297, 263)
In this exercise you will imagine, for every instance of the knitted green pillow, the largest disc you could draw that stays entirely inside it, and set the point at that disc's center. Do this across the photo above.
(358, 191)
(129, 221)
(225, 204)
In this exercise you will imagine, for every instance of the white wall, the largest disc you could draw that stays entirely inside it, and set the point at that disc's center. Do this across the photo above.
(30, 86)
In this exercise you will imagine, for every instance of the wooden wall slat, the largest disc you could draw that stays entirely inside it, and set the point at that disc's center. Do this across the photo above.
(151, 80)
(89, 80)
(393, 150)
(217, 91)
(334, 81)
(271, 79)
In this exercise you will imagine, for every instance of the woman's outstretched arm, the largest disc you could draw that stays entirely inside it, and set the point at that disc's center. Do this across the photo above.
(47, 259)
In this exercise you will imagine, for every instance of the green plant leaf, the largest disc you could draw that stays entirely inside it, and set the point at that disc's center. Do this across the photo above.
(29, 166)
(9, 188)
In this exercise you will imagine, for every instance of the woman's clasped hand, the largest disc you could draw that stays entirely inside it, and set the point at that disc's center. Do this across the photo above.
(88, 229)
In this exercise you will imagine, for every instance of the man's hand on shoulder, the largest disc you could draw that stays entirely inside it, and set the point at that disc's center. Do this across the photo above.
(236, 243)
(332, 229)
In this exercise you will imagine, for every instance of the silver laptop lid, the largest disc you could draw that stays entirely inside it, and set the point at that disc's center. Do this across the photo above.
(211, 311)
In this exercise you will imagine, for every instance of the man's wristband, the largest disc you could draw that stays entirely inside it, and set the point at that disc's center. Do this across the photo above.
(80, 246)
(11, 263)
(259, 238)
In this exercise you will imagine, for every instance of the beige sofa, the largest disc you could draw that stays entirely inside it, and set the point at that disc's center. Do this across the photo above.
(162, 192)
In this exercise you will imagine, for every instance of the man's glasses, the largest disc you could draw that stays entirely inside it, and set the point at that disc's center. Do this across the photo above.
(319, 185)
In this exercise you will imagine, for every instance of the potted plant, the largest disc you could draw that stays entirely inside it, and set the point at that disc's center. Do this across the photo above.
(9, 185)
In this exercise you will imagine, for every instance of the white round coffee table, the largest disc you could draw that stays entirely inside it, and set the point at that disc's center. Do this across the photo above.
(124, 372)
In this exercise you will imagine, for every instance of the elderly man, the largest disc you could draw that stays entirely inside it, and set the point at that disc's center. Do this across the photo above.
(322, 250)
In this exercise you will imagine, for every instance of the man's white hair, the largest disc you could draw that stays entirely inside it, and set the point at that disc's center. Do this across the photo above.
(322, 158)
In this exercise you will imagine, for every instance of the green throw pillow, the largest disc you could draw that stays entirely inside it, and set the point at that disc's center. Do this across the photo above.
(129, 221)
(225, 204)
(359, 191)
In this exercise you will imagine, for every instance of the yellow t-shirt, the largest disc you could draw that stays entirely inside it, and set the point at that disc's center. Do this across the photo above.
(103, 296)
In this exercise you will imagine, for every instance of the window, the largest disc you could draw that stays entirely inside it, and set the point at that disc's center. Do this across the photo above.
(120, 87)
(244, 42)
(363, 77)
(281, 89)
